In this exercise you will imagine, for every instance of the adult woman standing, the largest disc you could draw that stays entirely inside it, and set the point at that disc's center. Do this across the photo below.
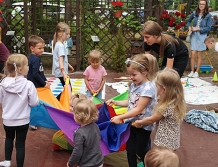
(202, 22)
(173, 51)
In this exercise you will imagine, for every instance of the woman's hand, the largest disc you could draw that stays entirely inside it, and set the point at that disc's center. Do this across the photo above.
(116, 120)
(138, 124)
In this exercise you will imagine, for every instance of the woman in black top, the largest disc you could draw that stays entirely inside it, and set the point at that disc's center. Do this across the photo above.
(173, 51)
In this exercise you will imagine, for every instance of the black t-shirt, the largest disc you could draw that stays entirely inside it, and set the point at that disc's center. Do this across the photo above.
(179, 52)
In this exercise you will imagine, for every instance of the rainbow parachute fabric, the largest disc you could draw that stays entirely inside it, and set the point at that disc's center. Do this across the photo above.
(50, 113)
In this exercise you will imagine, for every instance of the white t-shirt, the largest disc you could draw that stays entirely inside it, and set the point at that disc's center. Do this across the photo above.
(59, 50)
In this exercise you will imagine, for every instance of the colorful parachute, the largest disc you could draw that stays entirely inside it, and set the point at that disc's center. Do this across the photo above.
(51, 114)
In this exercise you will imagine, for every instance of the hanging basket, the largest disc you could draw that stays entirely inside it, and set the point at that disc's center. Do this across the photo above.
(118, 14)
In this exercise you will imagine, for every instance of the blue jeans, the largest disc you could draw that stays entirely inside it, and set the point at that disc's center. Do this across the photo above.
(99, 95)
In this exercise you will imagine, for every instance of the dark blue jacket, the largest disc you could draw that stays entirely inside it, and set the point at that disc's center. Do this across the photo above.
(36, 71)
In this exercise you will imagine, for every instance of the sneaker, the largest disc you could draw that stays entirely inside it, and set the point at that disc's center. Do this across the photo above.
(190, 74)
(5, 163)
(33, 127)
(195, 75)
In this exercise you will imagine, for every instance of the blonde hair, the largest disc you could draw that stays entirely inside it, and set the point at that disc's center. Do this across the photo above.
(153, 28)
(174, 93)
(161, 157)
(75, 98)
(60, 28)
(209, 39)
(94, 55)
(148, 61)
(34, 40)
(85, 111)
(14, 62)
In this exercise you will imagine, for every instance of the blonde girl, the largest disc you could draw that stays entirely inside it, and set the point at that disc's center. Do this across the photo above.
(95, 75)
(142, 99)
(59, 140)
(170, 110)
(60, 60)
(87, 151)
(17, 96)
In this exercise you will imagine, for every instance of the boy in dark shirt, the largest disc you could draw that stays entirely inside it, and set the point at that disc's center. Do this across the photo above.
(36, 71)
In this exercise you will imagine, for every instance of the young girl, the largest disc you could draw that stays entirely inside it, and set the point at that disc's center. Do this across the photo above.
(59, 140)
(87, 151)
(60, 61)
(170, 110)
(161, 157)
(142, 99)
(95, 75)
(17, 95)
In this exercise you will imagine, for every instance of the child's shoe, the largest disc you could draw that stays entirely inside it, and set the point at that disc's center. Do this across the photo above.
(5, 163)
(33, 127)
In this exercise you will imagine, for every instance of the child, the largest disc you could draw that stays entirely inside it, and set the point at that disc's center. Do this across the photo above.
(170, 110)
(60, 60)
(142, 99)
(210, 43)
(94, 75)
(36, 71)
(59, 140)
(17, 96)
(161, 157)
(87, 151)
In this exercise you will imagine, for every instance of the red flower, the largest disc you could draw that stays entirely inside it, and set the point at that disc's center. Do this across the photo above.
(173, 19)
(1, 1)
(183, 23)
(1, 19)
(183, 15)
(117, 5)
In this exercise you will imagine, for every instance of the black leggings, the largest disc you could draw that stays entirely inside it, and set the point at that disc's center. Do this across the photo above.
(137, 144)
(20, 132)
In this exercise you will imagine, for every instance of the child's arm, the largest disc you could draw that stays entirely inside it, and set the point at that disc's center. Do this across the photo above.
(71, 67)
(61, 65)
(102, 85)
(148, 120)
(143, 101)
(123, 103)
(89, 87)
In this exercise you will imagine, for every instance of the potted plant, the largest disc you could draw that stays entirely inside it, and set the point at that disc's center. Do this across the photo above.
(174, 20)
(117, 8)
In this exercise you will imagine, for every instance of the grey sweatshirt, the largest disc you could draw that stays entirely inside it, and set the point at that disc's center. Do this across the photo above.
(87, 151)
(17, 95)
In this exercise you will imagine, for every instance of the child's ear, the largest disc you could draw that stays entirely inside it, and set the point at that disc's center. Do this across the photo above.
(31, 48)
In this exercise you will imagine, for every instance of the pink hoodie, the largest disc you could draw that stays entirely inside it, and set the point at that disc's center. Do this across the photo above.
(17, 95)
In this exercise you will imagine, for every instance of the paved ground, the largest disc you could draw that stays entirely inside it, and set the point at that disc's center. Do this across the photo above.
(198, 147)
